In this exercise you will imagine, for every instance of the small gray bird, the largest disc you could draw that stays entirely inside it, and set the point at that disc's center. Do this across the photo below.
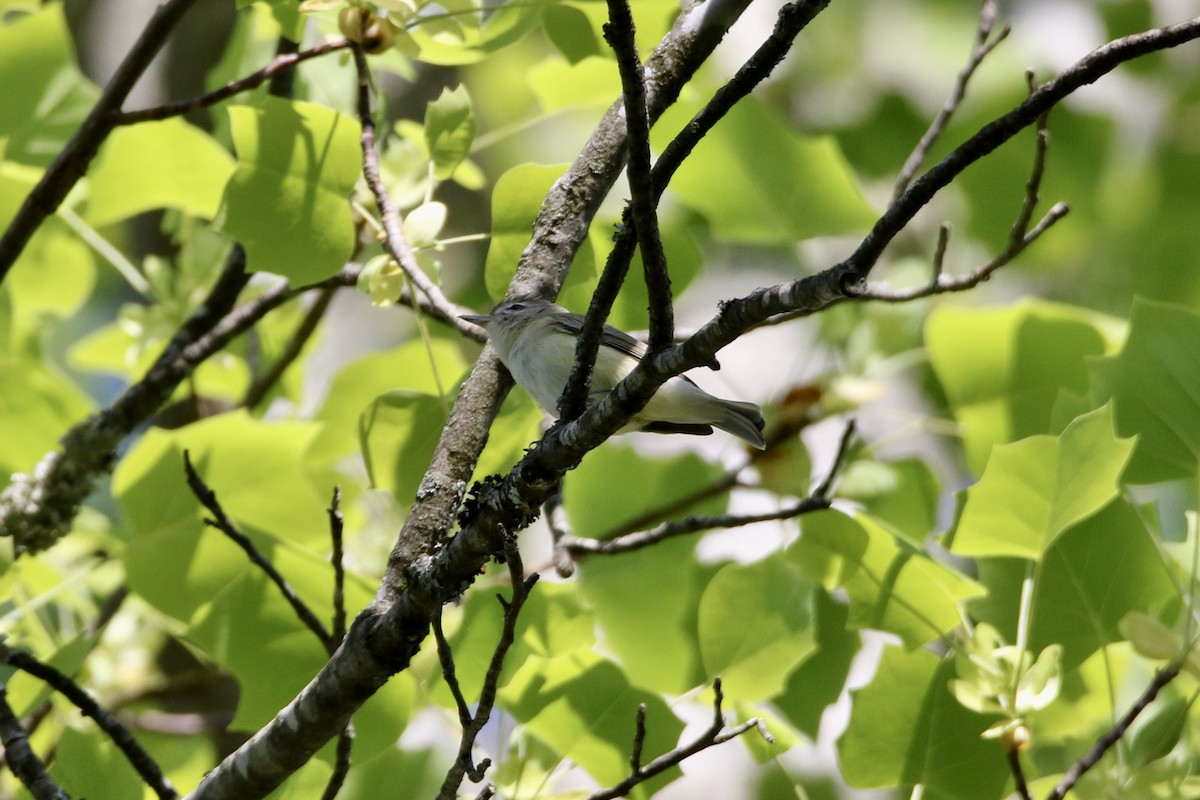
(536, 341)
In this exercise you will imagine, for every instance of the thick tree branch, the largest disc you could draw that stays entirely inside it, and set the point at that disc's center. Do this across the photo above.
(72, 162)
(426, 569)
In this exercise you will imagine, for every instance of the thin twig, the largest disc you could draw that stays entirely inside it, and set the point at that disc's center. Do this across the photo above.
(639, 740)
(984, 44)
(464, 765)
(138, 758)
(1020, 235)
(295, 345)
(20, 757)
(818, 500)
(449, 673)
(73, 160)
(1111, 737)
(394, 241)
(792, 18)
(716, 734)
(619, 33)
(220, 521)
(337, 557)
(341, 764)
(1014, 764)
(555, 515)
(279, 64)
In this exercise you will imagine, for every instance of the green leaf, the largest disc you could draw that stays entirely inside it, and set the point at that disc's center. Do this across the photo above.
(45, 96)
(424, 223)
(591, 83)
(784, 187)
(399, 432)
(891, 587)
(165, 164)
(1091, 577)
(516, 200)
(36, 407)
(462, 39)
(287, 200)
(584, 709)
(1003, 369)
(1155, 386)
(907, 729)
(819, 681)
(569, 30)
(658, 651)
(1034, 489)
(410, 366)
(903, 493)
(644, 484)
(1159, 732)
(255, 469)
(449, 130)
(755, 627)
(83, 754)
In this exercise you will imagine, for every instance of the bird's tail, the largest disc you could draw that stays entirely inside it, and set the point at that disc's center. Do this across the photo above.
(743, 420)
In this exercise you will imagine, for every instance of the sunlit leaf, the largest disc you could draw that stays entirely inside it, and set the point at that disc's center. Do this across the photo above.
(1034, 489)
(287, 200)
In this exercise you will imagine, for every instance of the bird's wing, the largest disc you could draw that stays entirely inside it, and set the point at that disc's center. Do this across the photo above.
(611, 337)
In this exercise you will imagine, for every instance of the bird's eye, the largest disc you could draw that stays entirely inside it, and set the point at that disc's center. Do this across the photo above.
(516, 307)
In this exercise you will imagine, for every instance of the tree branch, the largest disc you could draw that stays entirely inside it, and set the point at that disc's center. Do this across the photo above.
(280, 63)
(138, 758)
(464, 764)
(714, 735)
(394, 241)
(817, 501)
(1093, 756)
(262, 385)
(792, 18)
(20, 757)
(220, 521)
(619, 33)
(70, 164)
(984, 45)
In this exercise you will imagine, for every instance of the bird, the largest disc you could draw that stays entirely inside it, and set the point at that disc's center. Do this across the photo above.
(535, 339)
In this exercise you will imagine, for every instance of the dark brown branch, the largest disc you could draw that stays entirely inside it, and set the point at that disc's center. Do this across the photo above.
(21, 759)
(70, 164)
(296, 342)
(639, 740)
(792, 19)
(716, 734)
(619, 32)
(337, 560)
(1093, 756)
(1014, 764)
(1019, 238)
(341, 764)
(464, 765)
(984, 44)
(279, 64)
(449, 672)
(138, 758)
(819, 500)
(394, 241)
(220, 521)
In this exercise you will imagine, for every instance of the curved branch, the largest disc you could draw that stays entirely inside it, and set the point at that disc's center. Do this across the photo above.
(69, 166)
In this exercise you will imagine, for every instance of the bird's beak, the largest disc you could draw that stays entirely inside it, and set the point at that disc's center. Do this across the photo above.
(479, 319)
